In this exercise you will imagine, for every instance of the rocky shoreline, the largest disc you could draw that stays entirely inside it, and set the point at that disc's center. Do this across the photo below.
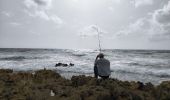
(49, 85)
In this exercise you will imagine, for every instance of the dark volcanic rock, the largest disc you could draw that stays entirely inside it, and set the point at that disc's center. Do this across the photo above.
(61, 64)
(71, 64)
(64, 65)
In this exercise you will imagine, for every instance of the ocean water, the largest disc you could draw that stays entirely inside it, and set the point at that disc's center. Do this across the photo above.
(132, 65)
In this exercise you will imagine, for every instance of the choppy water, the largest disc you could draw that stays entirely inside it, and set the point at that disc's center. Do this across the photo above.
(138, 65)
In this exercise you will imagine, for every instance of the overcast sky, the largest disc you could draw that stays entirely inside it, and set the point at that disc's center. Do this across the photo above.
(73, 24)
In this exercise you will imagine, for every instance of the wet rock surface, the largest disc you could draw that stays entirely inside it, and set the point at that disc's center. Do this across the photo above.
(64, 65)
(49, 85)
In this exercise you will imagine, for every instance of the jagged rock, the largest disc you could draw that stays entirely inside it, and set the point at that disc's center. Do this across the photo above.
(71, 64)
(63, 65)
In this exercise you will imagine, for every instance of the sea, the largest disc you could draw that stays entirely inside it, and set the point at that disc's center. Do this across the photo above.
(127, 65)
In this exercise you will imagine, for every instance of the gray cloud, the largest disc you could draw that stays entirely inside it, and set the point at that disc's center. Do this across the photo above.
(141, 26)
(39, 8)
(155, 27)
(161, 21)
(45, 4)
(41, 2)
(163, 15)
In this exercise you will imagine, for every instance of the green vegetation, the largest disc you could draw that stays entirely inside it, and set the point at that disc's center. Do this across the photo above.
(38, 86)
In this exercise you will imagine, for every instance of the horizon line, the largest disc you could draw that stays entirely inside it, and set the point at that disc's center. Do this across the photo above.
(82, 48)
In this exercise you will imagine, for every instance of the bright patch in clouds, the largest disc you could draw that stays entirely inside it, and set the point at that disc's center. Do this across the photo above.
(15, 23)
(116, 1)
(8, 14)
(138, 3)
(91, 30)
(86, 5)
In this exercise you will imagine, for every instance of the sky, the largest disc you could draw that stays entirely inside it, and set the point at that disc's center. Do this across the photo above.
(76, 24)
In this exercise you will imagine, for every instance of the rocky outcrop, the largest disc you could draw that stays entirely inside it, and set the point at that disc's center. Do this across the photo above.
(49, 85)
(63, 64)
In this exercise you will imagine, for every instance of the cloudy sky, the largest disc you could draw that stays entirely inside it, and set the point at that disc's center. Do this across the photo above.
(122, 24)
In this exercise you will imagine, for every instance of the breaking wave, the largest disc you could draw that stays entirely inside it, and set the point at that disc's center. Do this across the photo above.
(155, 64)
(18, 58)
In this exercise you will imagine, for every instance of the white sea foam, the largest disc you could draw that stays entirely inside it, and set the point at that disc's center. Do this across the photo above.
(155, 65)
